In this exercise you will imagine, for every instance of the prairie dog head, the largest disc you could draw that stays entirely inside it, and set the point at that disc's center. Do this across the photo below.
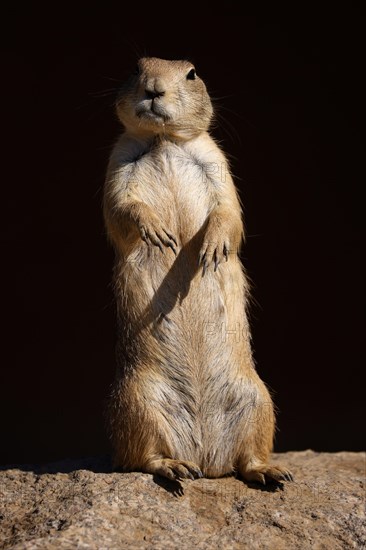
(164, 97)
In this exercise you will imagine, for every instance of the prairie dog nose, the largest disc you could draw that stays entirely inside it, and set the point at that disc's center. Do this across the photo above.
(153, 94)
(155, 87)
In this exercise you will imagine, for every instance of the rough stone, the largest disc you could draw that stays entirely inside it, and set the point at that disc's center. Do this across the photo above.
(82, 504)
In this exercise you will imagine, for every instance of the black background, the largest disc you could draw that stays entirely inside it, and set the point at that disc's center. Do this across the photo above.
(287, 100)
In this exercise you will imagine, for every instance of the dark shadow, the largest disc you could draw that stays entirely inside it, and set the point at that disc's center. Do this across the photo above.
(98, 465)
(176, 283)
(173, 487)
(272, 486)
(173, 289)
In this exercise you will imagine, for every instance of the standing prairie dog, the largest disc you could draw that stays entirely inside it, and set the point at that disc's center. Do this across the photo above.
(187, 401)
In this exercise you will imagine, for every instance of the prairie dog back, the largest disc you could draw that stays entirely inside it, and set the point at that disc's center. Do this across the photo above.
(187, 400)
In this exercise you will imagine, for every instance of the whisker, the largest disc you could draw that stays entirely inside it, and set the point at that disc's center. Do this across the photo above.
(109, 78)
(220, 98)
(241, 116)
(226, 125)
(103, 93)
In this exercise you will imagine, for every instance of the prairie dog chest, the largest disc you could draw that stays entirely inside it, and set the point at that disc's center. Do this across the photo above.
(179, 186)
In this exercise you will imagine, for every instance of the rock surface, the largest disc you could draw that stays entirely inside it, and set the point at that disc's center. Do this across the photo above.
(82, 504)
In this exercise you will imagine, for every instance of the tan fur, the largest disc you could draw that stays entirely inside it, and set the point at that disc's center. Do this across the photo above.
(187, 398)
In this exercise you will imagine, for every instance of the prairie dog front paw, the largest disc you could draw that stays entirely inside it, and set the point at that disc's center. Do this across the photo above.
(152, 231)
(215, 248)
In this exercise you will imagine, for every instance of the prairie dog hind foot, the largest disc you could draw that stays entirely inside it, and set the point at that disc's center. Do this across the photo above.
(173, 469)
(266, 472)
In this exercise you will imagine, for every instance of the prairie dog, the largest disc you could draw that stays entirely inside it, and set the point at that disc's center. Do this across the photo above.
(187, 401)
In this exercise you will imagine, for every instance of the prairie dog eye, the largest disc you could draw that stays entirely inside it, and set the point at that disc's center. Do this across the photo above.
(136, 71)
(191, 75)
